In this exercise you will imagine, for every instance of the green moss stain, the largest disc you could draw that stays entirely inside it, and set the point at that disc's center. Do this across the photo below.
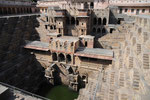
(61, 92)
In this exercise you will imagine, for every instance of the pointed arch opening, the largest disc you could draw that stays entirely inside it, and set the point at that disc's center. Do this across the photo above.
(59, 30)
(91, 5)
(104, 21)
(99, 21)
(103, 31)
(86, 43)
(111, 30)
(68, 58)
(95, 21)
(86, 6)
(94, 30)
(120, 11)
(54, 56)
(67, 20)
(51, 27)
(77, 22)
(98, 30)
(72, 20)
(61, 57)
(54, 27)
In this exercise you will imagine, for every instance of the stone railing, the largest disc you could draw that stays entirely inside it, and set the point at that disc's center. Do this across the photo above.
(17, 90)
(27, 3)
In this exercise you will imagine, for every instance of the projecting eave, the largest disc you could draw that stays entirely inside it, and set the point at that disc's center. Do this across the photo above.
(132, 5)
(113, 25)
(57, 16)
(54, 34)
(83, 16)
(143, 16)
(97, 53)
(37, 45)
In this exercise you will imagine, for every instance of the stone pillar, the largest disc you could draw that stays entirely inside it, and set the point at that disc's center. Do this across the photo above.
(25, 10)
(15, 11)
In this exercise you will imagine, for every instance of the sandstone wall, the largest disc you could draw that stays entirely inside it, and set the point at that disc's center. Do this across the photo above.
(17, 66)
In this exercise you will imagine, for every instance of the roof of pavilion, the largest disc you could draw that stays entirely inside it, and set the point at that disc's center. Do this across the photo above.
(95, 53)
(37, 45)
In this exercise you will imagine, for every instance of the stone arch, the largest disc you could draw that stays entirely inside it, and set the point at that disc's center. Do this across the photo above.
(91, 5)
(68, 58)
(95, 21)
(72, 20)
(104, 21)
(120, 11)
(111, 30)
(45, 26)
(72, 44)
(59, 30)
(86, 43)
(77, 22)
(47, 18)
(45, 10)
(98, 30)
(54, 27)
(132, 10)
(99, 21)
(54, 56)
(137, 11)
(86, 6)
(119, 21)
(61, 57)
(82, 30)
(103, 31)
(67, 20)
(51, 27)
(94, 30)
